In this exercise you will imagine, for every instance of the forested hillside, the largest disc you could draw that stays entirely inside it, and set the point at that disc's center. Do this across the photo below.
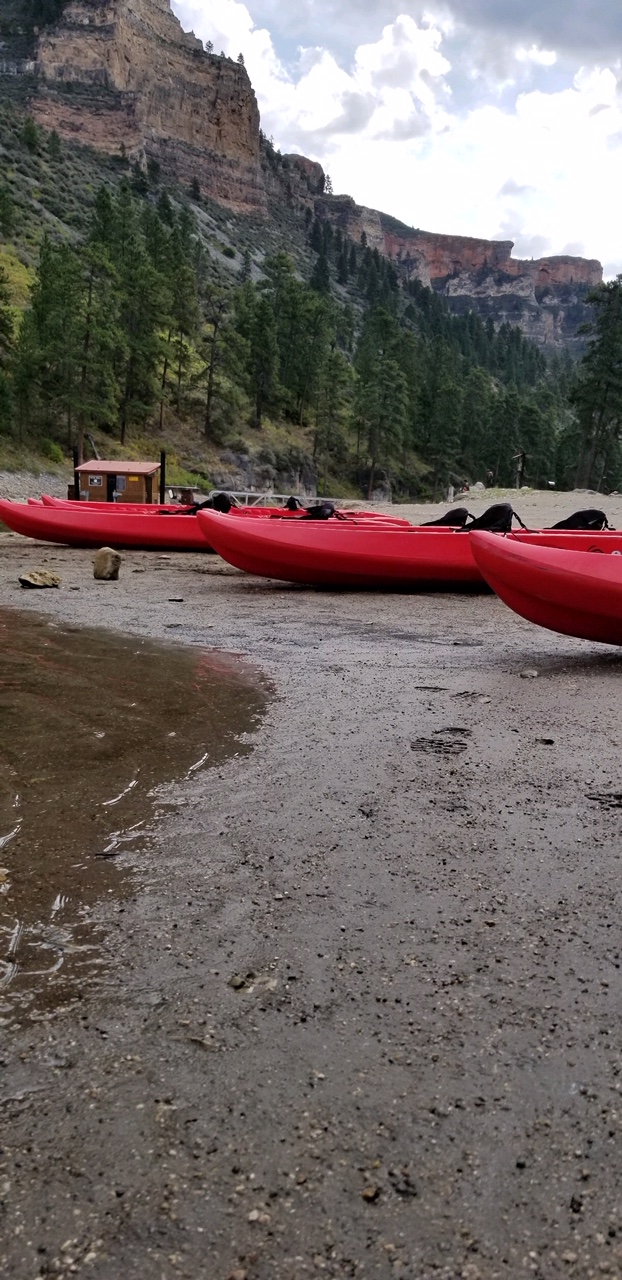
(144, 317)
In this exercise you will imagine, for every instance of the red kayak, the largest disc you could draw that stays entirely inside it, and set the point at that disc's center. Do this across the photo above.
(575, 592)
(76, 527)
(275, 513)
(343, 553)
(127, 508)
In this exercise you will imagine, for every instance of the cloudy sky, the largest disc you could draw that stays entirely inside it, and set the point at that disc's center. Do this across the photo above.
(494, 118)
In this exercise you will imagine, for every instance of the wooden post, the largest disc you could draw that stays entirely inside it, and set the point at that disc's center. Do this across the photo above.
(76, 474)
(162, 474)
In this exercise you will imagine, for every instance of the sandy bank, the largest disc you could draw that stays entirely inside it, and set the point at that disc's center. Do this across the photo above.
(422, 1079)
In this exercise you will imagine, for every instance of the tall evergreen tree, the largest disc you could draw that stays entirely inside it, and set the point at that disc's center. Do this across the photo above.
(597, 393)
(263, 358)
(7, 213)
(381, 394)
(7, 320)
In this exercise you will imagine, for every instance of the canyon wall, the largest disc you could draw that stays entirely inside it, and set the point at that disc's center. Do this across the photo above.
(546, 297)
(122, 74)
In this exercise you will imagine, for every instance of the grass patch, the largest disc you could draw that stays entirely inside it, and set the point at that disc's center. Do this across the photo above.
(19, 276)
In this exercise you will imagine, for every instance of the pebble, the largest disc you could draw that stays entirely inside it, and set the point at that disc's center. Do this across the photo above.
(529, 674)
(239, 982)
(370, 1194)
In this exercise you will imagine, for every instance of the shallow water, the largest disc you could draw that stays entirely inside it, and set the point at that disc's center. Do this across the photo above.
(91, 725)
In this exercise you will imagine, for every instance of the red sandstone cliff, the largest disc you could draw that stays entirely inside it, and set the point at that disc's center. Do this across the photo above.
(434, 258)
(546, 298)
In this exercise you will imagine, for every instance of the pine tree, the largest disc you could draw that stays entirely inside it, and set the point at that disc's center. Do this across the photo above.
(100, 343)
(183, 309)
(597, 394)
(333, 409)
(224, 352)
(165, 209)
(320, 276)
(7, 320)
(263, 359)
(103, 220)
(55, 150)
(142, 312)
(6, 404)
(51, 352)
(7, 213)
(29, 135)
(477, 400)
(382, 392)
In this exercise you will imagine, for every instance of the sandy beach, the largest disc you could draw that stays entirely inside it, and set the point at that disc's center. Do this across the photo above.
(361, 1011)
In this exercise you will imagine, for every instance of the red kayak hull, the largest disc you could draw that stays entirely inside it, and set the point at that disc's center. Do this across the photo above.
(125, 508)
(577, 593)
(75, 528)
(337, 553)
(275, 513)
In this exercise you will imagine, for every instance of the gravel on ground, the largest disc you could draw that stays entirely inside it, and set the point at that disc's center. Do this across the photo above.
(363, 1010)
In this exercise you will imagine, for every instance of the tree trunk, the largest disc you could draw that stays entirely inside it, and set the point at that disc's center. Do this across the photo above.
(163, 382)
(84, 372)
(210, 380)
(179, 371)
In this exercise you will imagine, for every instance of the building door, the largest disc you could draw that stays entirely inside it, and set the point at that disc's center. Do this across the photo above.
(111, 484)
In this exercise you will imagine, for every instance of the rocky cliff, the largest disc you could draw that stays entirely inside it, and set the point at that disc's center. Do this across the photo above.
(122, 74)
(546, 297)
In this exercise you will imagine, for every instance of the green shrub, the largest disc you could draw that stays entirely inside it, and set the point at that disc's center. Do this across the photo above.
(238, 445)
(50, 449)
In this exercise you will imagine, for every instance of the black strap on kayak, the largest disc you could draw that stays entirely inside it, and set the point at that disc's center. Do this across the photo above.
(456, 519)
(222, 502)
(496, 519)
(590, 518)
(320, 511)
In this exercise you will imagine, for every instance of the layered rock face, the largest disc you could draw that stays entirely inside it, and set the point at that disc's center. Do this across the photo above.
(546, 297)
(123, 73)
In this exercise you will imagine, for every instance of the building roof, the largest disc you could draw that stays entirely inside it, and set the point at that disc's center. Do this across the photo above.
(99, 466)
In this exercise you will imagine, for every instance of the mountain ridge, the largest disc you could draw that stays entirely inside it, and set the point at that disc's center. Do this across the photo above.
(121, 76)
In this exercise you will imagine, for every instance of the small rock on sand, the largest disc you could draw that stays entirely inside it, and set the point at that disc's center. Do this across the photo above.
(106, 564)
(39, 578)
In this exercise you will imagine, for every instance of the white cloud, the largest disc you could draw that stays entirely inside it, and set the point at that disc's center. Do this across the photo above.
(540, 57)
(543, 169)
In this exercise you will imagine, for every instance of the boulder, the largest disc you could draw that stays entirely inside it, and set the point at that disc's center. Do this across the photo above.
(106, 564)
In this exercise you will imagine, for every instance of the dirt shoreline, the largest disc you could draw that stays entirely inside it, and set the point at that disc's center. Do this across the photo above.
(423, 1077)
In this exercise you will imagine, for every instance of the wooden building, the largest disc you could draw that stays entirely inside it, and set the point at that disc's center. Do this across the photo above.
(113, 481)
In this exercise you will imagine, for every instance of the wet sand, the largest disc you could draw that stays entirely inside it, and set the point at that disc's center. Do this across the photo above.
(361, 1012)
